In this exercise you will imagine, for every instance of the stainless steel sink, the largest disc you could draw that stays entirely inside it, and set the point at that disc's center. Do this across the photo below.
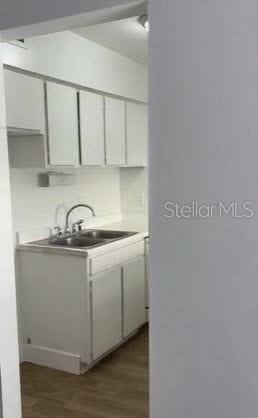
(85, 239)
(72, 241)
(76, 242)
(103, 234)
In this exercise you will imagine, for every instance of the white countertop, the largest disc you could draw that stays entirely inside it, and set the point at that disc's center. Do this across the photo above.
(135, 222)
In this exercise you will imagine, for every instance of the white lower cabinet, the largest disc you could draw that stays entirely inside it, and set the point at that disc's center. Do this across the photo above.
(118, 305)
(75, 309)
(106, 312)
(133, 295)
(147, 278)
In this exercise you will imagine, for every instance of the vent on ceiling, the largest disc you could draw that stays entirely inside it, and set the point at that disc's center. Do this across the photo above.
(19, 42)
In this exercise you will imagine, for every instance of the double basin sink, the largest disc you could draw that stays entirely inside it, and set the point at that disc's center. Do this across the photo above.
(86, 239)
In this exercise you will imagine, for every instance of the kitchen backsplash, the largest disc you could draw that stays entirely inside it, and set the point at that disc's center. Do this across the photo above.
(108, 191)
(34, 206)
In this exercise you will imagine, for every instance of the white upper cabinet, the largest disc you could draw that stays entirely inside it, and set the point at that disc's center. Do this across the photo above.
(134, 292)
(62, 121)
(137, 134)
(25, 106)
(115, 131)
(92, 129)
(71, 128)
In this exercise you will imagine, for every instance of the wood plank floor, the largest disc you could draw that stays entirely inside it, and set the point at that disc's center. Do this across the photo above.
(116, 388)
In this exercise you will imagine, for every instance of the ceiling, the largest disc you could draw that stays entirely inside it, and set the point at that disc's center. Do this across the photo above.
(126, 36)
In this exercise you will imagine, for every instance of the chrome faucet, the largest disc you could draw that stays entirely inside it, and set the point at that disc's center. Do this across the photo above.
(80, 205)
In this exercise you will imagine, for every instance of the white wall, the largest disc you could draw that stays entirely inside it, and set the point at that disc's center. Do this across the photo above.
(110, 191)
(36, 207)
(134, 190)
(8, 320)
(67, 56)
(203, 111)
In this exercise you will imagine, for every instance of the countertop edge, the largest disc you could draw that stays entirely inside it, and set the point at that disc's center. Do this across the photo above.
(84, 253)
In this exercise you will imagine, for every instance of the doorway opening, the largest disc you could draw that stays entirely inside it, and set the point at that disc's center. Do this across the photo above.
(77, 116)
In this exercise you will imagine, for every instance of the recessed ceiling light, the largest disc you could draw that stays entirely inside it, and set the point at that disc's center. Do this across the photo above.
(144, 21)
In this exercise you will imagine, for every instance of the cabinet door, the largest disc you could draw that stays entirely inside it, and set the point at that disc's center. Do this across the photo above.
(25, 105)
(137, 134)
(133, 295)
(62, 117)
(115, 131)
(147, 279)
(106, 312)
(92, 128)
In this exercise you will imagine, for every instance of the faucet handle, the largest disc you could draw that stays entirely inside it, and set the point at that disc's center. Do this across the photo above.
(79, 223)
(77, 226)
(58, 231)
(67, 231)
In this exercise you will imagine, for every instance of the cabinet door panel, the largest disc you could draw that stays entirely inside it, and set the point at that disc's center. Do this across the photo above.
(63, 138)
(137, 134)
(92, 128)
(106, 312)
(134, 295)
(25, 106)
(115, 132)
(147, 279)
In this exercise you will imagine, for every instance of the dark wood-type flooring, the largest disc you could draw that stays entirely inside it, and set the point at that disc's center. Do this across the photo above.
(116, 388)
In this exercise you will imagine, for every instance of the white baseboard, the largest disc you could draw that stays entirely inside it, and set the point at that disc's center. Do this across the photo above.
(52, 358)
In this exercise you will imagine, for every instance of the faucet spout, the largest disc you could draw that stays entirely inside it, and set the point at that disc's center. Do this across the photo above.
(80, 205)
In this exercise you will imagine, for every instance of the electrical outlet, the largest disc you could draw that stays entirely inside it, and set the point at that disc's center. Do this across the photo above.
(140, 200)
